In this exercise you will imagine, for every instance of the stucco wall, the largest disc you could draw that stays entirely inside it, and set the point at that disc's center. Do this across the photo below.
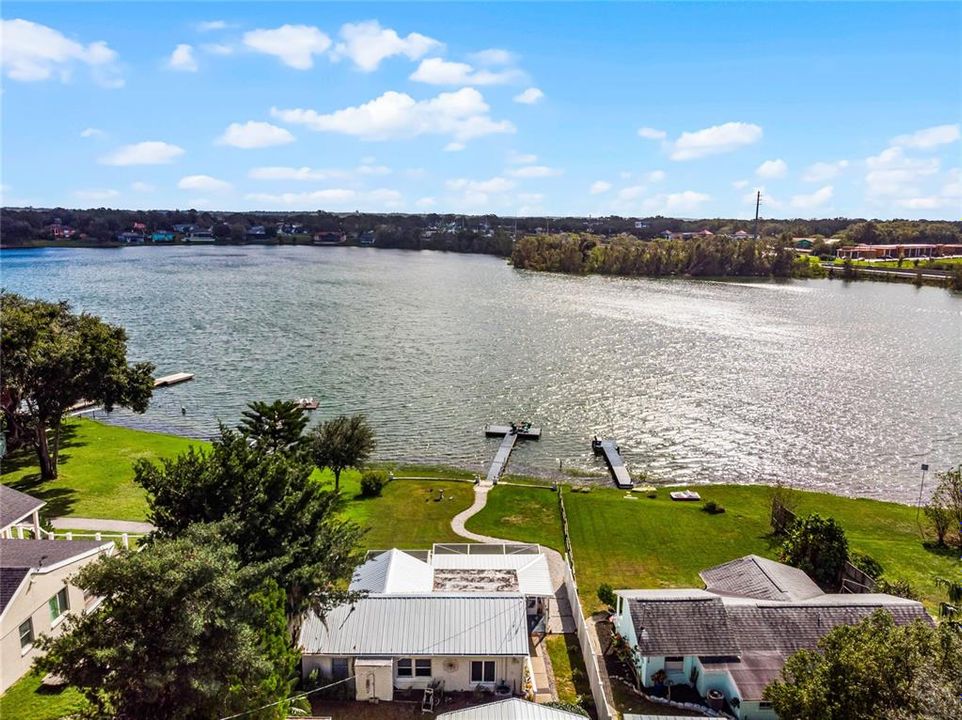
(31, 602)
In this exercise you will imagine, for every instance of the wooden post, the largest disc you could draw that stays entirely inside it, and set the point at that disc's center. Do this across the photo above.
(126, 541)
(69, 535)
(97, 537)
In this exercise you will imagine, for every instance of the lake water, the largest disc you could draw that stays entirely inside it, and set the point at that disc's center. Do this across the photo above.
(825, 384)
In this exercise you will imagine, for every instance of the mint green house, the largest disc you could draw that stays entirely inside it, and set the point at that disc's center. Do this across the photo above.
(727, 642)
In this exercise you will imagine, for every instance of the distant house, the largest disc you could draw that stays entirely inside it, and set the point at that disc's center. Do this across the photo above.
(139, 227)
(367, 238)
(893, 252)
(741, 235)
(200, 235)
(162, 236)
(256, 231)
(290, 229)
(640, 225)
(59, 231)
(183, 228)
(706, 233)
(803, 243)
(131, 238)
(732, 638)
(457, 617)
(329, 238)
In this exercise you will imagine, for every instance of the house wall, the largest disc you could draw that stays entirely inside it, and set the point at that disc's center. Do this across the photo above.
(508, 669)
(31, 602)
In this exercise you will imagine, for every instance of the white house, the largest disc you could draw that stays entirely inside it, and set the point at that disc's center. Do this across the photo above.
(19, 512)
(732, 638)
(36, 595)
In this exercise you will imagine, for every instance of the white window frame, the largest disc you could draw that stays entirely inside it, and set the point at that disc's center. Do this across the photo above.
(62, 607)
(26, 647)
(410, 669)
(484, 664)
(677, 664)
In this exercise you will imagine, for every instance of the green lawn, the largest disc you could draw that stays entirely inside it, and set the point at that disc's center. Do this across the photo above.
(95, 470)
(570, 676)
(521, 513)
(26, 700)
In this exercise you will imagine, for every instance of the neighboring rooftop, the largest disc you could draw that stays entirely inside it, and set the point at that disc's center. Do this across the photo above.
(15, 506)
(394, 571)
(513, 709)
(757, 577)
(423, 624)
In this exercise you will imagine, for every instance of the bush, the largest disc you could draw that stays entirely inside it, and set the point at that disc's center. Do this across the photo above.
(372, 483)
(712, 508)
(818, 546)
(567, 707)
(866, 563)
(606, 594)
(900, 587)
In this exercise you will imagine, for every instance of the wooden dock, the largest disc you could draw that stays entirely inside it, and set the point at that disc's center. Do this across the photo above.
(511, 434)
(161, 382)
(609, 448)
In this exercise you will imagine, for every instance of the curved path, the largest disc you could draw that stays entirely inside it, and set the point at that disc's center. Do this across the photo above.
(561, 620)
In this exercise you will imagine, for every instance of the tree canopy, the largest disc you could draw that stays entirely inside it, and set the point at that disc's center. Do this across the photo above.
(874, 669)
(274, 426)
(269, 506)
(51, 360)
(184, 631)
(341, 443)
(818, 546)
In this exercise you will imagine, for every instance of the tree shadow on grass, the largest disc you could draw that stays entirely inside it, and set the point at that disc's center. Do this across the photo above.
(60, 500)
(946, 551)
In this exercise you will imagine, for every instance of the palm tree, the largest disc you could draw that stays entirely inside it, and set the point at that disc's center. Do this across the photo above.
(342, 443)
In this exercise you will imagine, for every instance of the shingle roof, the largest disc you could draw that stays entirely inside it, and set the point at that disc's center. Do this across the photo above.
(432, 624)
(15, 506)
(10, 579)
(513, 709)
(33, 554)
(692, 626)
(758, 577)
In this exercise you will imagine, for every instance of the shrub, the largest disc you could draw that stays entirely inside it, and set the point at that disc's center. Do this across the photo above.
(900, 587)
(712, 508)
(606, 594)
(653, 494)
(818, 546)
(372, 483)
(567, 707)
(866, 563)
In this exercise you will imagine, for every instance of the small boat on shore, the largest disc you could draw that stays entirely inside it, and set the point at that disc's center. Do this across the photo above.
(306, 403)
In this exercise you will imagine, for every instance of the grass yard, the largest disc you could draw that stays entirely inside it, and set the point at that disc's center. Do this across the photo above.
(661, 543)
(27, 700)
(521, 513)
(95, 470)
(570, 676)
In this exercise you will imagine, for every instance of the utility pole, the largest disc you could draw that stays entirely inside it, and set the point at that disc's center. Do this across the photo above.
(758, 202)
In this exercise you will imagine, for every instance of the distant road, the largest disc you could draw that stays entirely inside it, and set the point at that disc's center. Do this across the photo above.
(928, 273)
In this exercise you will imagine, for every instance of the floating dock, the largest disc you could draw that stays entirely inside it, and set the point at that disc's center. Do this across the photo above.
(511, 434)
(609, 448)
(175, 379)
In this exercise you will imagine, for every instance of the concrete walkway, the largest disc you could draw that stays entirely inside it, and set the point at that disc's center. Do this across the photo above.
(560, 619)
(101, 525)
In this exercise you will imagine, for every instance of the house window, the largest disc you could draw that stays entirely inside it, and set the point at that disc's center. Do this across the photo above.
(764, 705)
(674, 664)
(26, 634)
(339, 668)
(410, 667)
(482, 671)
(58, 604)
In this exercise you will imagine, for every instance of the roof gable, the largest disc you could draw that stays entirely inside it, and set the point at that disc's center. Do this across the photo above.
(394, 571)
(15, 506)
(757, 577)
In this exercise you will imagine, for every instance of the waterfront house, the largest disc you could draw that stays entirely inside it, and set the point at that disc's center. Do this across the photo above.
(131, 237)
(201, 235)
(893, 252)
(162, 236)
(255, 232)
(329, 238)
(741, 235)
(367, 238)
(36, 595)
(728, 641)
(19, 513)
(448, 617)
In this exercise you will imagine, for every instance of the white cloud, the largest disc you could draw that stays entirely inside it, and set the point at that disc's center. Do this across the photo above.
(30, 51)
(928, 138)
(454, 147)
(182, 58)
(680, 202)
(651, 133)
(293, 45)
(151, 152)
(922, 203)
(95, 195)
(210, 25)
(142, 187)
(289, 173)
(426, 202)
(204, 183)
(532, 198)
(494, 56)
(492, 185)
(369, 167)
(462, 114)
(599, 186)
(217, 48)
(813, 200)
(656, 176)
(335, 198)
(891, 173)
(530, 96)
(437, 71)
(253, 134)
(772, 169)
(740, 184)
(366, 44)
(535, 171)
(92, 132)
(632, 192)
(715, 140)
(953, 185)
(516, 158)
(822, 171)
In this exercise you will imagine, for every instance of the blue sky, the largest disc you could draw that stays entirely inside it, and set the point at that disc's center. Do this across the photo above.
(633, 109)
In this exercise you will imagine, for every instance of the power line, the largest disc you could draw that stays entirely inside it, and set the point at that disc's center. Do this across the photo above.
(295, 697)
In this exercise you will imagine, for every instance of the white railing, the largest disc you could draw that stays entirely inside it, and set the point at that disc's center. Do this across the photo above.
(25, 532)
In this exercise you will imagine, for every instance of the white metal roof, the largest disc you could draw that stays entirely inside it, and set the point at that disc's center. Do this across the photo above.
(393, 571)
(513, 709)
(534, 576)
(431, 624)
